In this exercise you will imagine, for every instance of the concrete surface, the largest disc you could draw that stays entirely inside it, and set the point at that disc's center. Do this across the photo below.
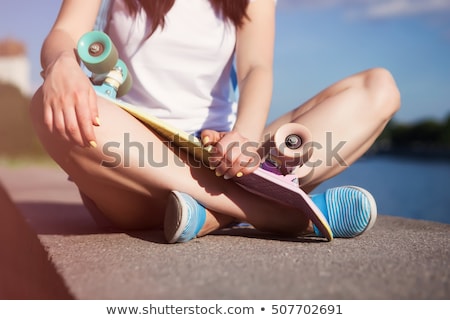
(398, 259)
(29, 275)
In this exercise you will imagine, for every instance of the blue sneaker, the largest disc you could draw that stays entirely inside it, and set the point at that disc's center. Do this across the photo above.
(349, 210)
(184, 218)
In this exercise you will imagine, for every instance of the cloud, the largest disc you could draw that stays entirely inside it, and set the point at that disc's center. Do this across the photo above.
(398, 8)
(374, 9)
(433, 13)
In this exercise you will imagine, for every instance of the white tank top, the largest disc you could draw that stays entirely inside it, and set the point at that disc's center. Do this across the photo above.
(182, 72)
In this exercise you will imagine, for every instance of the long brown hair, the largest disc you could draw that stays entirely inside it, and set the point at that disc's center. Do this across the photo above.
(233, 10)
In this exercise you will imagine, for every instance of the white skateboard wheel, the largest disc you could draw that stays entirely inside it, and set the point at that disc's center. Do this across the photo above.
(292, 145)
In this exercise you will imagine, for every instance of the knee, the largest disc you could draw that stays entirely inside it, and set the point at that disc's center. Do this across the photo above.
(383, 92)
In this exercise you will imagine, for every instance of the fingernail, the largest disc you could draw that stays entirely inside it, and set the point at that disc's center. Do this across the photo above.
(227, 177)
(239, 174)
(205, 140)
(212, 168)
(93, 144)
(219, 174)
(97, 121)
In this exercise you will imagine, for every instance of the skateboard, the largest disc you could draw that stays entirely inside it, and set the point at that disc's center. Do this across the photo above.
(274, 179)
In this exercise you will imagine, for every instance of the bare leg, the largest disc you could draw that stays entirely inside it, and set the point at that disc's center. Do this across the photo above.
(131, 173)
(344, 119)
(355, 110)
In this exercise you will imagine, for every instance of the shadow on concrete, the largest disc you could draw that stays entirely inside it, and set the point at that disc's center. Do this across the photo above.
(53, 218)
(251, 233)
(26, 272)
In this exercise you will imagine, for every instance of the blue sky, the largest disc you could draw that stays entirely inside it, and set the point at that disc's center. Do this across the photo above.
(318, 43)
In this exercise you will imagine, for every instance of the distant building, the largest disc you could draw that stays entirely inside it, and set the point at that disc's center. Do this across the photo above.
(14, 65)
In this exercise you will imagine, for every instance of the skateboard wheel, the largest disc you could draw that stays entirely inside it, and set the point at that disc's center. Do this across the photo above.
(292, 145)
(126, 84)
(97, 52)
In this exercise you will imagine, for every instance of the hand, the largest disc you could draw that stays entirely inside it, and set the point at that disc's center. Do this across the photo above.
(232, 154)
(70, 103)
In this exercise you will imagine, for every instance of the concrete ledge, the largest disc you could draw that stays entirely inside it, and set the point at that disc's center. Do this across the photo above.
(398, 259)
(26, 271)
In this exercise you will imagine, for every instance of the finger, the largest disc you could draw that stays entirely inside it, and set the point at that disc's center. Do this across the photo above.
(71, 126)
(214, 162)
(228, 156)
(86, 127)
(92, 103)
(247, 161)
(210, 137)
(234, 170)
(58, 124)
(251, 159)
(240, 167)
(227, 150)
(83, 113)
(48, 118)
(226, 145)
(248, 165)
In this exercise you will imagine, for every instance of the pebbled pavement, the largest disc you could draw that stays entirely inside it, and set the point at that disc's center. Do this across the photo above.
(398, 259)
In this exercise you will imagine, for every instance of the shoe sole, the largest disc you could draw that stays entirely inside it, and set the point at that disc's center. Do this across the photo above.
(174, 221)
(373, 207)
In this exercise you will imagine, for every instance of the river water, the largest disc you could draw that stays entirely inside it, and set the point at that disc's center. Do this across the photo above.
(404, 187)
